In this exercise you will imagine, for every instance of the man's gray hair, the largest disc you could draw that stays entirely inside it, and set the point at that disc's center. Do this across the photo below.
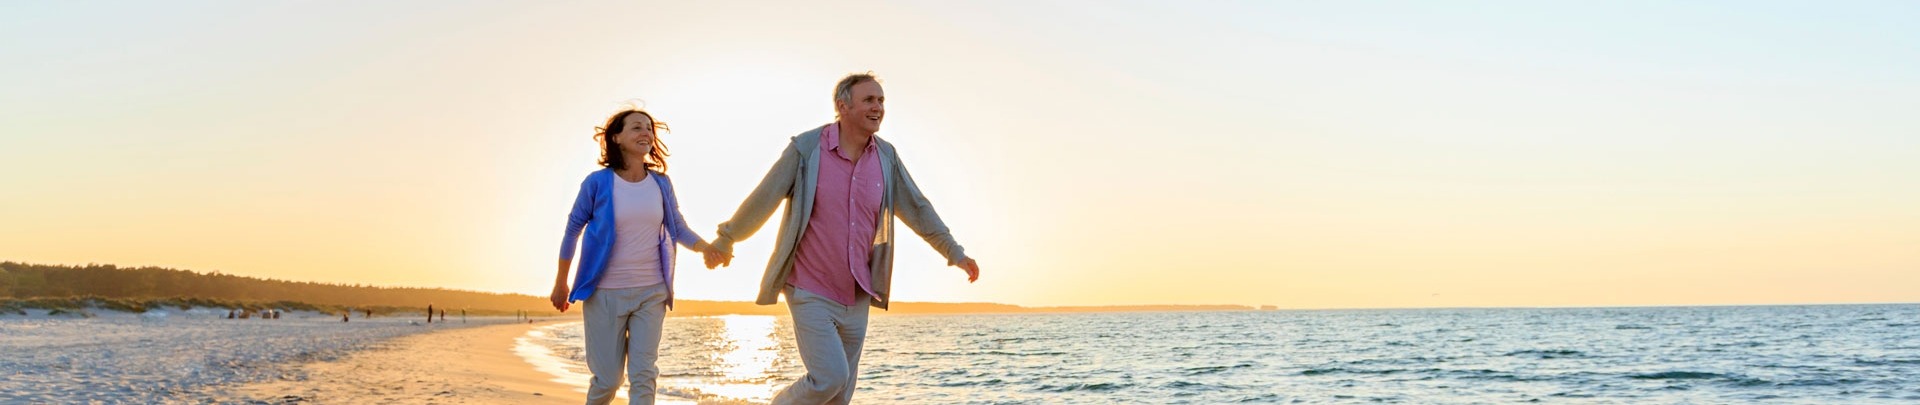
(843, 92)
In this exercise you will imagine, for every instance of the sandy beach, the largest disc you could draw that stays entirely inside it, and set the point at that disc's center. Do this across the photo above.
(197, 356)
(474, 365)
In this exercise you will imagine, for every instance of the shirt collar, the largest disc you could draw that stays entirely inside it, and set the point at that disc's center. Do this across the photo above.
(830, 138)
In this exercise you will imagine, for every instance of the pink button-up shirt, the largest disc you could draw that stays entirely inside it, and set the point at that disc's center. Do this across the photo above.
(833, 252)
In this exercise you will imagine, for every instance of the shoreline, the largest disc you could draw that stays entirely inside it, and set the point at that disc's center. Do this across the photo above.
(1214, 358)
(455, 366)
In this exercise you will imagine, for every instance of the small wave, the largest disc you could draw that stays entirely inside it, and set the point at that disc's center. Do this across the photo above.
(1430, 373)
(1342, 370)
(1803, 383)
(991, 382)
(1239, 344)
(1212, 369)
(1194, 386)
(1096, 387)
(1633, 327)
(989, 352)
(683, 393)
(1548, 354)
(693, 373)
(1886, 362)
(1319, 371)
(1485, 375)
(1704, 376)
(1183, 384)
(1263, 399)
(1679, 375)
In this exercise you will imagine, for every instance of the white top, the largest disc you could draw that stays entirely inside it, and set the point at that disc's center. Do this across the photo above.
(639, 216)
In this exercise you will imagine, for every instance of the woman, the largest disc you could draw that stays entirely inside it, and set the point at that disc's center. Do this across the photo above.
(631, 220)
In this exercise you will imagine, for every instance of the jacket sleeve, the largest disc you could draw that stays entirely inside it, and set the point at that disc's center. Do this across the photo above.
(917, 212)
(777, 186)
(577, 220)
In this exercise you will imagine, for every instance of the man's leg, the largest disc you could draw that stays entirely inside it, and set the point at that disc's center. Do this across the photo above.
(643, 344)
(853, 336)
(821, 350)
(605, 314)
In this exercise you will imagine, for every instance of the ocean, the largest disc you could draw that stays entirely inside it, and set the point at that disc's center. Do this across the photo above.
(1825, 354)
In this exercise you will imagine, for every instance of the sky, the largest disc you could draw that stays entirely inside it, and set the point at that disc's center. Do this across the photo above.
(1352, 154)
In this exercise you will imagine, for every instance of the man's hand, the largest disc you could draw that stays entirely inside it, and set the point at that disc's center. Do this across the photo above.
(716, 258)
(972, 268)
(559, 297)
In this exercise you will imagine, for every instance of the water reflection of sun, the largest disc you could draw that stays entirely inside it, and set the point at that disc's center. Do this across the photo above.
(753, 349)
(746, 351)
(739, 359)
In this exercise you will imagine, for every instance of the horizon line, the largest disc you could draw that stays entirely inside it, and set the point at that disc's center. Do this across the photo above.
(1249, 307)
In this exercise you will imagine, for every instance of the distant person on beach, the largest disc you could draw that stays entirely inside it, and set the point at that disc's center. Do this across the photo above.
(842, 186)
(632, 221)
(429, 313)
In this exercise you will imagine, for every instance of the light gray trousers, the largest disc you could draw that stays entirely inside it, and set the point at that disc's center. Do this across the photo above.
(623, 329)
(829, 336)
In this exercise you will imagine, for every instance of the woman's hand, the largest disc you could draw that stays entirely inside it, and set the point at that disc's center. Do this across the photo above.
(716, 258)
(559, 297)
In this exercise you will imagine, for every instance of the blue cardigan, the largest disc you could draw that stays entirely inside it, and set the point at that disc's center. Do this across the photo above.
(593, 211)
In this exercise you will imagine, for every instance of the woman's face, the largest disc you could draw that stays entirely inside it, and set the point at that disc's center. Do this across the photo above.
(635, 137)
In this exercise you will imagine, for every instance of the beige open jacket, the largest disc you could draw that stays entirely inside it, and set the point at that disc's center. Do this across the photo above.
(794, 178)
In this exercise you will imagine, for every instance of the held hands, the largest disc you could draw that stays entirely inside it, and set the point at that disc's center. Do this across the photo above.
(716, 258)
(559, 297)
(972, 268)
(713, 257)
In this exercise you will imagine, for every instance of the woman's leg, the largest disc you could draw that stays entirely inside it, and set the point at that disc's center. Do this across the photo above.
(605, 314)
(643, 343)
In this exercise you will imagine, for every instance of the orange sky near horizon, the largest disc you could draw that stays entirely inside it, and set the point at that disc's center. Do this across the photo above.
(1086, 153)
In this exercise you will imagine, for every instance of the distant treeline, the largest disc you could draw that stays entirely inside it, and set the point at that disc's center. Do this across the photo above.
(141, 284)
(25, 285)
(83, 305)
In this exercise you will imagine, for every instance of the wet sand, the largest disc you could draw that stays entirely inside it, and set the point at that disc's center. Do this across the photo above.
(461, 366)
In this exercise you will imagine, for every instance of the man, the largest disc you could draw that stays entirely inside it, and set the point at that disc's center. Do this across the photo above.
(843, 186)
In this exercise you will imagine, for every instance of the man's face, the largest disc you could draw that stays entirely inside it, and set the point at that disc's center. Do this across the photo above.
(867, 107)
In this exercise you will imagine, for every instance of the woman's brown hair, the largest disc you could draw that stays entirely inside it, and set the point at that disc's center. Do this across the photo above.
(610, 154)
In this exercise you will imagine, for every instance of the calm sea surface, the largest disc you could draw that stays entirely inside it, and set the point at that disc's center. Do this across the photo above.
(1709, 355)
